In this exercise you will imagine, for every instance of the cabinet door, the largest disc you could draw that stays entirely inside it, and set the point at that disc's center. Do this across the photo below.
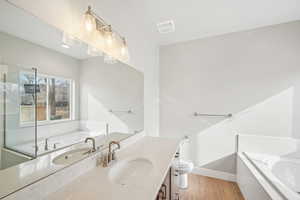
(175, 195)
(167, 184)
(165, 189)
(169, 189)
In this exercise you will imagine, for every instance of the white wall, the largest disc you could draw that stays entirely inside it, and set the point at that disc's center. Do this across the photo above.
(253, 74)
(143, 51)
(118, 87)
(23, 55)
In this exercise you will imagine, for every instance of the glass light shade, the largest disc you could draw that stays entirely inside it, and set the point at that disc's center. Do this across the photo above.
(89, 22)
(109, 38)
(99, 40)
(124, 52)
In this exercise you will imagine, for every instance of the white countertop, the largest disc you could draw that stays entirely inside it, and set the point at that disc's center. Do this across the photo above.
(96, 184)
(24, 174)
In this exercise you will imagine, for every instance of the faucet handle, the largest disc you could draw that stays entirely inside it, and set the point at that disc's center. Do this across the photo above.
(55, 145)
(46, 144)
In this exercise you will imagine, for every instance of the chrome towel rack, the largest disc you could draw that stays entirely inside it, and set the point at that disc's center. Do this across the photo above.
(196, 114)
(121, 111)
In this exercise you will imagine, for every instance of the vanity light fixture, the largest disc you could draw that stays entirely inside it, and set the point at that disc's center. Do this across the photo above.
(105, 38)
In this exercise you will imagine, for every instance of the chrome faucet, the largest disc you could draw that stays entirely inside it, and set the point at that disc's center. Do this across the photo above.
(93, 142)
(46, 144)
(55, 145)
(111, 152)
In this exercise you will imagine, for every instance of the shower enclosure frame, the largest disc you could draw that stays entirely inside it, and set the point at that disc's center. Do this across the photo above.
(5, 146)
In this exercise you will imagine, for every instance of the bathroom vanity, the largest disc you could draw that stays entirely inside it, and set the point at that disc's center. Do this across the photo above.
(140, 172)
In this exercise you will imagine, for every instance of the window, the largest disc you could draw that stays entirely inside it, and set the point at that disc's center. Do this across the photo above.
(59, 98)
(53, 98)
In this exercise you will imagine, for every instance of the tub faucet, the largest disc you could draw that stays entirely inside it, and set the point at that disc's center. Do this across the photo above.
(93, 142)
(55, 145)
(46, 144)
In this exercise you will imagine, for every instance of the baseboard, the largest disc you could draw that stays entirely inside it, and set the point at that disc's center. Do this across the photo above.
(214, 174)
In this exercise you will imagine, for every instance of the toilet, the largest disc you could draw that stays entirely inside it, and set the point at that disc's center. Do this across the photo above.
(182, 169)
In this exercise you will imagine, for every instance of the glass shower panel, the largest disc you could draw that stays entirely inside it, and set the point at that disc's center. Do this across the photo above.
(20, 98)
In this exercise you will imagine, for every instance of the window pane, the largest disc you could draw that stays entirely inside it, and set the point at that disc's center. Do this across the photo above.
(59, 98)
(42, 99)
(27, 98)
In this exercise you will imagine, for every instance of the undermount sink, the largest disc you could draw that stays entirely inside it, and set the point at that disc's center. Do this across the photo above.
(71, 156)
(130, 172)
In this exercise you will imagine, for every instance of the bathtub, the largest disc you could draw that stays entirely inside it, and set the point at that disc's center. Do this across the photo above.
(276, 174)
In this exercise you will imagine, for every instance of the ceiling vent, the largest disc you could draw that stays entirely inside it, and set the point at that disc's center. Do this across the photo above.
(166, 26)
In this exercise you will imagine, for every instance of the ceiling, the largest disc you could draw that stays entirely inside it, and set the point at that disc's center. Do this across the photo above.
(204, 18)
(193, 19)
(16, 22)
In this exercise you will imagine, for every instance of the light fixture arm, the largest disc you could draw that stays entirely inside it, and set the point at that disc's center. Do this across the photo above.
(115, 44)
(101, 24)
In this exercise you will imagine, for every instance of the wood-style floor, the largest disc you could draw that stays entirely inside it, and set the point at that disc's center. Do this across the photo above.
(205, 188)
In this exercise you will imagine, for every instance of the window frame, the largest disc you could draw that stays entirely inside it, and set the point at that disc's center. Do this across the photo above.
(48, 121)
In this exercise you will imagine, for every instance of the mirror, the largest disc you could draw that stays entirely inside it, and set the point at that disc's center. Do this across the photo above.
(56, 91)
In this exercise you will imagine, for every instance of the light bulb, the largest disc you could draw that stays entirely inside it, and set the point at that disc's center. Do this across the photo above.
(109, 37)
(89, 20)
(124, 47)
(124, 51)
(109, 40)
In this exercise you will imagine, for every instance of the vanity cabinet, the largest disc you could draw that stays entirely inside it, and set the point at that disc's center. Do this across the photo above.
(168, 189)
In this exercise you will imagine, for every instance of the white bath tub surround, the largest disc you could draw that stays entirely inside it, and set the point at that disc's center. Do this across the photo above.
(281, 172)
(61, 141)
(65, 140)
